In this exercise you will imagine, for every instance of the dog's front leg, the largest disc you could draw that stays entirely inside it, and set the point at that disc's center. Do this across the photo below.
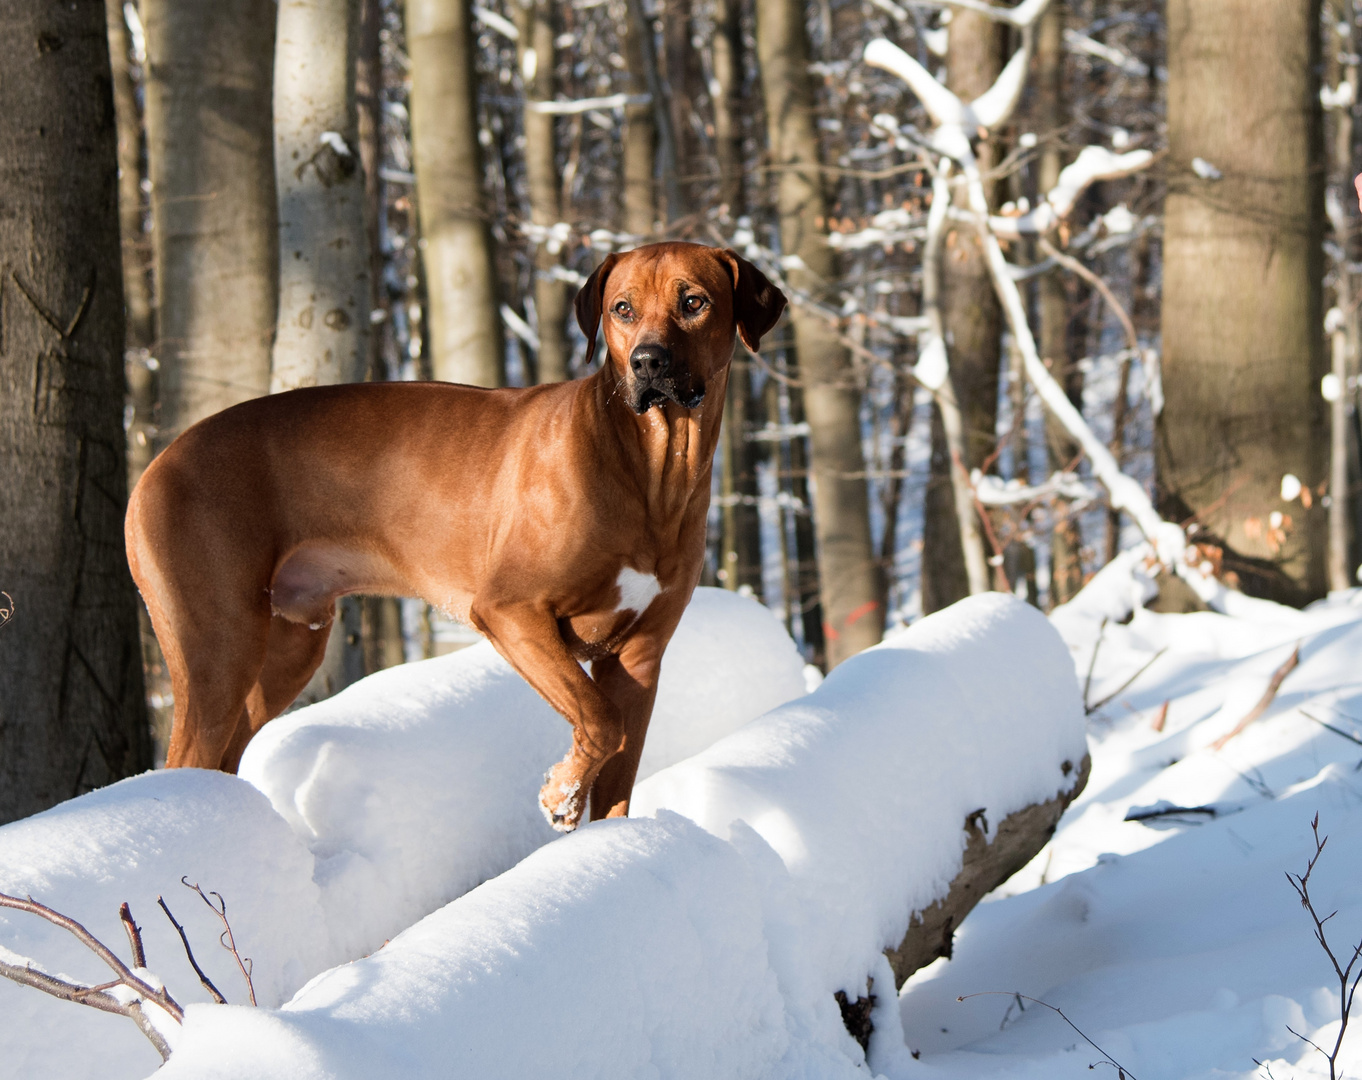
(629, 679)
(527, 636)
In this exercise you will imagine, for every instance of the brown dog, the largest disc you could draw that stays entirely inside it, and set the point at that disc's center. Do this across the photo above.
(565, 522)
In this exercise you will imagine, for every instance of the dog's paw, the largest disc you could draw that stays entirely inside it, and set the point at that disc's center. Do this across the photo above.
(561, 801)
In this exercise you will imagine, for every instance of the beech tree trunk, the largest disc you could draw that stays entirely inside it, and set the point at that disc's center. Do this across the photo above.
(740, 539)
(210, 152)
(72, 714)
(1066, 565)
(972, 321)
(324, 290)
(639, 150)
(1242, 309)
(466, 343)
(535, 22)
(324, 297)
(850, 572)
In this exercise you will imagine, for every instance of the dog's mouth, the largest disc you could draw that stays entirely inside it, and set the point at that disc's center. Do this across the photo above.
(663, 390)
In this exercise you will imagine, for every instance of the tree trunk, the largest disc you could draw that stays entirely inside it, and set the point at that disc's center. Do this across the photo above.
(972, 322)
(1242, 311)
(324, 290)
(141, 329)
(381, 615)
(639, 150)
(1066, 564)
(740, 545)
(210, 152)
(72, 714)
(535, 21)
(324, 301)
(465, 321)
(849, 570)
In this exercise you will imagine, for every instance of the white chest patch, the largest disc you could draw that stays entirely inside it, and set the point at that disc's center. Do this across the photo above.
(637, 590)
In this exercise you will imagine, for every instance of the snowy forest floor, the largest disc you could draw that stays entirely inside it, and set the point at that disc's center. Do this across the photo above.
(1176, 942)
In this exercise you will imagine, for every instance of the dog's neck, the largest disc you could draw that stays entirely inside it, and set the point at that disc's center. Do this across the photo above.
(672, 447)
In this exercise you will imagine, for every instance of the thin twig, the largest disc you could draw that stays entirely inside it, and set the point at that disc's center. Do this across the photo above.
(1092, 663)
(1106, 1058)
(1273, 685)
(139, 955)
(225, 939)
(1336, 731)
(1301, 884)
(1072, 264)
(1089, 710)
(207, 982)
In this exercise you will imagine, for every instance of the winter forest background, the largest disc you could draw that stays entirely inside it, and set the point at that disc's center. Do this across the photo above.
(1073, 318)
(364, 190)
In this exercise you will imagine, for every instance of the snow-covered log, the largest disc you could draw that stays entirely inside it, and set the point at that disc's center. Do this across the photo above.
(389, 800)
(656, 947)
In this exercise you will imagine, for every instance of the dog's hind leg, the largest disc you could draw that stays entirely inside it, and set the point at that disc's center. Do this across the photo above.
(292, 656)
(212, 681)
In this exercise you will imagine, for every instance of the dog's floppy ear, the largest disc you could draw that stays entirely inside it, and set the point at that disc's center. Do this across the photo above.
(588, 303)
(757, 303)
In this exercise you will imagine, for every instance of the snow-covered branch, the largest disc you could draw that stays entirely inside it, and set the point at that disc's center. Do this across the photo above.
(1094, 163)
(583, 105)
(995, 491)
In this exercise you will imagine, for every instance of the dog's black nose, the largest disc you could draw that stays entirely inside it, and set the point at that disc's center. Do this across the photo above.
(650, 361)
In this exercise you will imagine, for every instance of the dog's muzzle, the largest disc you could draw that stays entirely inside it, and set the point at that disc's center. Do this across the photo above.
(653, 380)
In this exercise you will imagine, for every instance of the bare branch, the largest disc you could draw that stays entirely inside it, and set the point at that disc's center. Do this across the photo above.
(137, 985)
(225, 939)
(1273, 685)
(184, 938)
(1106, 1058)
(139, 955)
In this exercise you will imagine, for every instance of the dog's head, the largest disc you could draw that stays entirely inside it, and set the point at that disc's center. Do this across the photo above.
(670, 313)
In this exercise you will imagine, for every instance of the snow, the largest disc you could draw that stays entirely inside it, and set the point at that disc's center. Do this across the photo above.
(1175, 943)
(766, 864)
(379, 805)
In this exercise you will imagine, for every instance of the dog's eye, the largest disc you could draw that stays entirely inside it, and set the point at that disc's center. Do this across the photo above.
(693, 304)
(622, 309)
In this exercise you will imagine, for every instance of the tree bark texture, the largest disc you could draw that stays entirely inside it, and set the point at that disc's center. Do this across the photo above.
(465, 320)
(210, 152)
(535, 22)
(1242, 310)
(640, 134)
(1066, 542)
(849, 569)
(324, 301)
(985, 865)
(72, 714)
(740, 525)
(728, 104)
(972, 321)
(141, 327)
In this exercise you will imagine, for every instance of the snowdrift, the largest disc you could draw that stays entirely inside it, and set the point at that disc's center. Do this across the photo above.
(708, 944)
(1174, 941)
(384, 803)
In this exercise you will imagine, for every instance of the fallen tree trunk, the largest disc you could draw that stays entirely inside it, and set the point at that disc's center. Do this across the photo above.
(987, 864)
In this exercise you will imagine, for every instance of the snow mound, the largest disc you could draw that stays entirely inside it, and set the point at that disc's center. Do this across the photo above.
(863, 787)
(656, 948)
(133, 841)
(1174, 942)
(384, 803)
(418, 783)
(630, 949)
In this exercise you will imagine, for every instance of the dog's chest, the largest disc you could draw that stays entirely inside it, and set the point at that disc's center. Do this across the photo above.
(611, 611)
